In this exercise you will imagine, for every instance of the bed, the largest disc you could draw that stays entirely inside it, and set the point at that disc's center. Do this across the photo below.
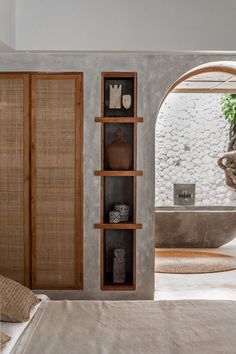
(127, 327)
(15, 330)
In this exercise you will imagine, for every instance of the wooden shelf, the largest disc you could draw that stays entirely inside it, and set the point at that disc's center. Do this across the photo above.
(118, 287)
(117, 173)
(119, 119)
(119, 226)
(110, 285)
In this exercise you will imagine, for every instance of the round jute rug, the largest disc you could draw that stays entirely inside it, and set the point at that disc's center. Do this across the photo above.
(190, 262)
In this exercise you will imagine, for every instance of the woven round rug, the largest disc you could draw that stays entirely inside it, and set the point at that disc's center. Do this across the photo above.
(192, 262)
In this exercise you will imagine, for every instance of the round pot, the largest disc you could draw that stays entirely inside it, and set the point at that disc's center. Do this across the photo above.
(119, 153)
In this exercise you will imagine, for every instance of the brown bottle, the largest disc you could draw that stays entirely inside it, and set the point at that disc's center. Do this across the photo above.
(119, 153)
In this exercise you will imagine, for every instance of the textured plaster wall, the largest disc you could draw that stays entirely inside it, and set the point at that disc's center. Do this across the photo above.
(156, 73)
(191, 134)
(7, 24)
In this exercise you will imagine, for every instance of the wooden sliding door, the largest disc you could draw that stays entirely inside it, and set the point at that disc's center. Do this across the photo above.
(14, 176)
(56, 177)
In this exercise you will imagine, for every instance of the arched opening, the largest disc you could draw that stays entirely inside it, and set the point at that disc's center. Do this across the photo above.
(195, 210)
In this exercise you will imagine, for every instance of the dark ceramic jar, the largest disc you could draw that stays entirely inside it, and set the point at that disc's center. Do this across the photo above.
(119, 153)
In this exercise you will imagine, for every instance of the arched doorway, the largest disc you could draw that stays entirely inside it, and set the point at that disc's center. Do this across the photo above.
(172, 221)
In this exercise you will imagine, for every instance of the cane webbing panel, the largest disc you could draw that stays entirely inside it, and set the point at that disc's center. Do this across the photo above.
(12, 179)
(55, 183)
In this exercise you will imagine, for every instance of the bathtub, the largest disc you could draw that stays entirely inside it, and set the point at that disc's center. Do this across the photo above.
(193, 226)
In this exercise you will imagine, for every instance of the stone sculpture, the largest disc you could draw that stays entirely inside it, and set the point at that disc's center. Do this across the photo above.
(228, 163)
(119, 264)
(115, 97)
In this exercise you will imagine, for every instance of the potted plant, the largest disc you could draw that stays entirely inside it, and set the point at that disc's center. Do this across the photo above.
(228, 161)
(228, 106)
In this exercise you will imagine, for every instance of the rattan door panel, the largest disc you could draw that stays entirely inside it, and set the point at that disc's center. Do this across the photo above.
(14, 177)
(57, 181)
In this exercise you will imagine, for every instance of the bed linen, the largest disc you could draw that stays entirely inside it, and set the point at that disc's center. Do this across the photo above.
(128, 327)
(15, 330)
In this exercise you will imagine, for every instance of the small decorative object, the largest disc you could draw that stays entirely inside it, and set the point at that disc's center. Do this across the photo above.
(126, 101)
(119, 95)
(228, 163)
(115, 97)
(119, 153)
(114, 217)
(119, 264)
(123, 209)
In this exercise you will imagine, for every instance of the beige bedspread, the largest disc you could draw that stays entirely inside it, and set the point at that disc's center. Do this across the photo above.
(145, 327)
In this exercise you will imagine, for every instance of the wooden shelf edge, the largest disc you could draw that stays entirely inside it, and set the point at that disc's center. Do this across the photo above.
(121, 226)
(116, 287)
(118, 74)
(117, 173)
(119, 119)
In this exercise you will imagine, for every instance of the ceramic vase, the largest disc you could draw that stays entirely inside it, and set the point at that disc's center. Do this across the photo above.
(119, 153)
(228, 163)
(123, 210)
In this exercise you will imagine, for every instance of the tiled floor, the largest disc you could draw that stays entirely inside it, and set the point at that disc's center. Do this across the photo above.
(213, 286)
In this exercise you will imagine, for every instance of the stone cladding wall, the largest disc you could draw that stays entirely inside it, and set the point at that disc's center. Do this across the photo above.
(191, 133)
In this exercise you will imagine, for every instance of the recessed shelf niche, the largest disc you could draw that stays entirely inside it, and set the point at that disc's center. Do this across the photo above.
(118, 178)
(118, 189)
(114, 239)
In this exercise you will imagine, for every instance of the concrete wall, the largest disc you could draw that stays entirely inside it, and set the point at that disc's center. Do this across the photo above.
(156, 73)
(7, 24)
(191, 134)
(125, 25)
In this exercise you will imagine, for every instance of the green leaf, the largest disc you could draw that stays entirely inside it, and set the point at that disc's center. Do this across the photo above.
(228, 106)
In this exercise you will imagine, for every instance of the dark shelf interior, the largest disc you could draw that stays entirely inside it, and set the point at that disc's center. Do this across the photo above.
(127, 89)
(108, 280)
(118, 189)
(114, 239)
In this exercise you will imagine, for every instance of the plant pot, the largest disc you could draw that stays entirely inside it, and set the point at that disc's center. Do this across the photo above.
(228, 163)
(119, 153)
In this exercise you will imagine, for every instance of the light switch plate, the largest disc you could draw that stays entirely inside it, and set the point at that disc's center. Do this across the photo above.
(184, 194)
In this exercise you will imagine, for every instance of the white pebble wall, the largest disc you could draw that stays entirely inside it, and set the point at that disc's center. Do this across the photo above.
(191, 133)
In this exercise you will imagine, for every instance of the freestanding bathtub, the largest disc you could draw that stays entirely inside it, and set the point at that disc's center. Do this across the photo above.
(193, 226)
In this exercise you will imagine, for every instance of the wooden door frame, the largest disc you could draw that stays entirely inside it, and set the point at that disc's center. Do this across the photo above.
(78, 77)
